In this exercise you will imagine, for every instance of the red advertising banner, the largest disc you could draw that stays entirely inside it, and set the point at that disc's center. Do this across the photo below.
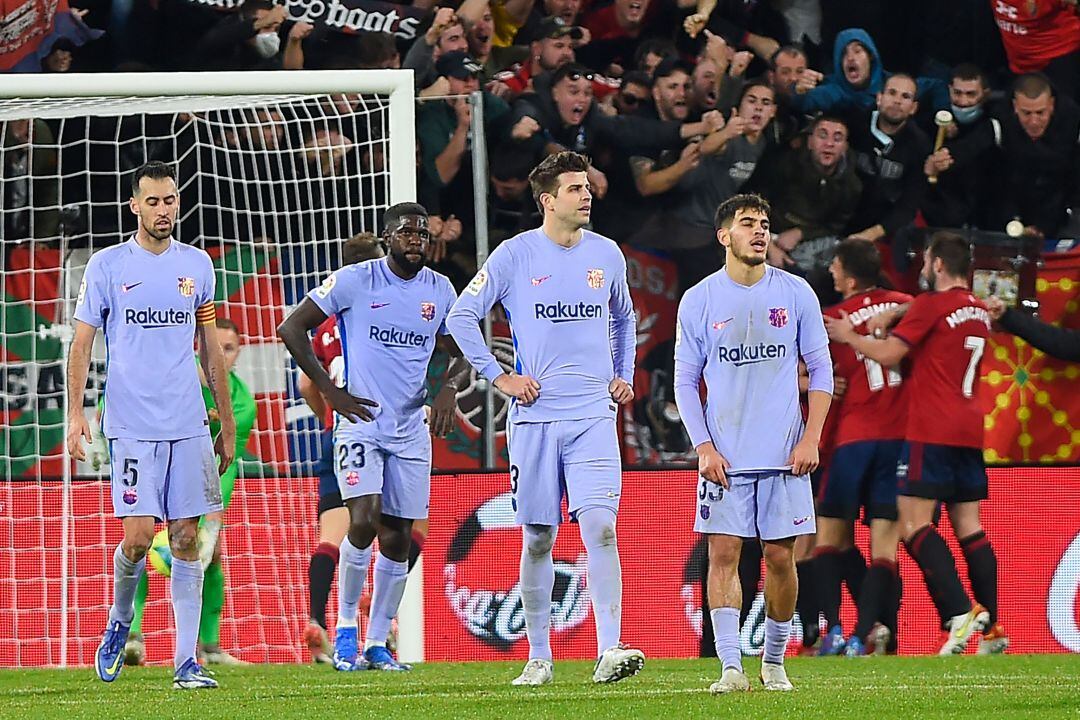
(472, 603)
(472, 606)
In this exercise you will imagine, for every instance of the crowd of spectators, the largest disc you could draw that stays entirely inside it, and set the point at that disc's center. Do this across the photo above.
(825, 106)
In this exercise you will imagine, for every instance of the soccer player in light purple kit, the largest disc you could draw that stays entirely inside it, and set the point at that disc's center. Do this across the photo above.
(391, 314)
(153, 297)
(564, 291)
(743, 329)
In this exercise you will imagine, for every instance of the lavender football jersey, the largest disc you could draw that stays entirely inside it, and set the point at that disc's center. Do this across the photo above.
(571, 318)
(387, 327)
(148, 306)
(746, 342)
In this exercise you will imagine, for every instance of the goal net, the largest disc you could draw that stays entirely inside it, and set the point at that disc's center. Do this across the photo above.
(275, 171)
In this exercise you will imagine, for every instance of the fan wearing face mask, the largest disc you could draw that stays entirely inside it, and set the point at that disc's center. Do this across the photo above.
(953, 200)
(247, 40)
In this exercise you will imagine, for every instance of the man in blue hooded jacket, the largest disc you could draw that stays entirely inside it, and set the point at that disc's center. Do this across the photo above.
(858, 76)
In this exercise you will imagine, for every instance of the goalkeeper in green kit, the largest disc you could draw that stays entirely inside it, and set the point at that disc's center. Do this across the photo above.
(213, 594)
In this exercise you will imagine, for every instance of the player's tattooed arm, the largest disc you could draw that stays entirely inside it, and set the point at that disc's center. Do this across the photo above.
(77, 370)
(879, 325)
(212, 360)
(293, 331)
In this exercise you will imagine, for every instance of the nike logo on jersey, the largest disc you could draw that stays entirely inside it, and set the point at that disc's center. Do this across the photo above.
(721, 324)
(537, 280)
(800, 521)
(376, 306)
(129, 288)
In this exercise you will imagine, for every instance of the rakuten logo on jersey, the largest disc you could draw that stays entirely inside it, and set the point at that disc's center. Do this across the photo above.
(749, 354)
(151, 318)
(560, 312)
(394, 338)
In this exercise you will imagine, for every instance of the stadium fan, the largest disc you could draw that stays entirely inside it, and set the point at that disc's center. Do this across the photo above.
(551, 46)
(941, 461)
(565, 10)
(1039, 180)
(446, 34)
(758, 26)
(727, 159)
(890, 151)
(814, 189)
(247, 40)
(962, 192)
(1042, 36)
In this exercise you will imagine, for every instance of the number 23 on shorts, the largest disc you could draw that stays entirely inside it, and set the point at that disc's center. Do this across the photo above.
(350, 455)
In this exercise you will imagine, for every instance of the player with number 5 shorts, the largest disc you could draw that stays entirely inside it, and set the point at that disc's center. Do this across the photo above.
(154, 297)
(564, 291)
(945, 332)
(743, 329)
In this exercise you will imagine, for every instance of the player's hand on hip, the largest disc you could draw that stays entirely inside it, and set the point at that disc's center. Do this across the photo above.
(443, 410)
(621, 391)
(349, 406)
(78, 428)
(712, 465)
(804, 458)
(520, 387)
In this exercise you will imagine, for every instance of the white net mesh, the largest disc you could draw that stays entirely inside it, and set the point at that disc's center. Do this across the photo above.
(270, 186)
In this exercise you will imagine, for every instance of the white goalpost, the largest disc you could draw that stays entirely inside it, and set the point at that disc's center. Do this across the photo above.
(276, 170)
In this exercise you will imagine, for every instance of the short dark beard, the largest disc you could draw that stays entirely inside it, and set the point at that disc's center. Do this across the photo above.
(155, 233)
(408, 266)
(751, 260)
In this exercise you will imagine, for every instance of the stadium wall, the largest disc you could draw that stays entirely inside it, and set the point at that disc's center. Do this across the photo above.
(470, 596)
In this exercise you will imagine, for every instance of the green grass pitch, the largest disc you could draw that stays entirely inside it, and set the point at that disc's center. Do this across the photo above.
(884, 688)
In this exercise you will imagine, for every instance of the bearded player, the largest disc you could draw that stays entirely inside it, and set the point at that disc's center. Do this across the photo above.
(154, 297)
(564, 290)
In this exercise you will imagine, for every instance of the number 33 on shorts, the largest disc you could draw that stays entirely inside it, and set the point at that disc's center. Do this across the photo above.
(709, 491)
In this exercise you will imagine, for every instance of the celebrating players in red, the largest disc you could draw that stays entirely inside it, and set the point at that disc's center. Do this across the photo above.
(945, 332)
(868, 433)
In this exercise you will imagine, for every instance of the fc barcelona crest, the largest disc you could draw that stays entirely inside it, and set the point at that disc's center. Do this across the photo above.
(186, 286)
(427, 311)
(595, 279)
(778, 317)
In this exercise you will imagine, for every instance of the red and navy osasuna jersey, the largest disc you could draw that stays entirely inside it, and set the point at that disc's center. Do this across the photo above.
(327, 348)
(947, 332)
(1035, 32)
(873, 406)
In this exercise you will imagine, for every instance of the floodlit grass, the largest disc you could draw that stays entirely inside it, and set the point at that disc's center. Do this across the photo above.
(884, 688)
